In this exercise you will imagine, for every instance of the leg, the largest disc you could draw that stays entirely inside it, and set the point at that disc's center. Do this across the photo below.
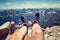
(37, 33)
(18, 35)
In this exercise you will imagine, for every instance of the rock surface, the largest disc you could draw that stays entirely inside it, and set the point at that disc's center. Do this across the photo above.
(52, 33)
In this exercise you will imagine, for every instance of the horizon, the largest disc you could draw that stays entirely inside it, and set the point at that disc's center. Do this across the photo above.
(20, 4)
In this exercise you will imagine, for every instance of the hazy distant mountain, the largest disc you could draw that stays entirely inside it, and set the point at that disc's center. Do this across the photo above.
(48, 17)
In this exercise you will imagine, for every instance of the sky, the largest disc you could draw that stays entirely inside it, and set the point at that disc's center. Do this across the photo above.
(17, 4)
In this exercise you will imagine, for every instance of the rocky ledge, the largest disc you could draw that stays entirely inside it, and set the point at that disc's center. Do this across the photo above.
(52, 33)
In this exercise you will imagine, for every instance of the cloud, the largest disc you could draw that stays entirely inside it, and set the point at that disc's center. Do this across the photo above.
(1, 5)
(7, 3)
(29, 5)
(42, 5)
